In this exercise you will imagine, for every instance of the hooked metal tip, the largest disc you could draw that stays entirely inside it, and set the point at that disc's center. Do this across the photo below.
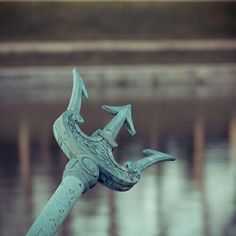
(149, 152)
(152, 157)
(77, 77)
(78, 91)
(122, 111)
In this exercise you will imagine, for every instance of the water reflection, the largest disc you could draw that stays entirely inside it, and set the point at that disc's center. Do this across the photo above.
(24, 155)
(232, 135)
(196, 195)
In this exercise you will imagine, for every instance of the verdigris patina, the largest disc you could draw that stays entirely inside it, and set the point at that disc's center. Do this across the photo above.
(91, 159)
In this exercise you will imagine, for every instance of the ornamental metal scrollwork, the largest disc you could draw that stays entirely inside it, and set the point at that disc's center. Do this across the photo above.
(74, 142)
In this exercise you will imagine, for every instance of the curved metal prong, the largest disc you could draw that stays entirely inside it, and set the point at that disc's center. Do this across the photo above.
(100, 145)
(153, 157)
(78, 92)
(122, 116)
(125, 117)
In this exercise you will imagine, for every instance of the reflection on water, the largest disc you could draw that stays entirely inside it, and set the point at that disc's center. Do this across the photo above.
(195, 195)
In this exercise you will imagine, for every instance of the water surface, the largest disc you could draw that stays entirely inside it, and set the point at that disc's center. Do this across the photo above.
(195, 195)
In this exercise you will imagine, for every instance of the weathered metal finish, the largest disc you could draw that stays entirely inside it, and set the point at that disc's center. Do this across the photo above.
(153, 158)
(78, 92)
(99, 145)
(122, 116)
(91, 159)
(57, 208)
(81, 173)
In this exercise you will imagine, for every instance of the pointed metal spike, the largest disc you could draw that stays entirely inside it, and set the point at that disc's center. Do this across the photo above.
(122, 116)
(78, 91)
(81, 82)
(160, 155)
(152, 157)
(123, 112)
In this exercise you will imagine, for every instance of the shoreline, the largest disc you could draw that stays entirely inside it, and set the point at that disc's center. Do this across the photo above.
(120, 52)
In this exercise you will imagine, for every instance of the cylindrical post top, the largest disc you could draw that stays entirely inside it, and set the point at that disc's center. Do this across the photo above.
(85, 169)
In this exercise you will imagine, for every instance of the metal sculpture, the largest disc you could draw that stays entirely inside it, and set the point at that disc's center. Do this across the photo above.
(91, 159)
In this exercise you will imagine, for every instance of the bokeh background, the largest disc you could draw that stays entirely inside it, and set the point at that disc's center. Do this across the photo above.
(174, 61)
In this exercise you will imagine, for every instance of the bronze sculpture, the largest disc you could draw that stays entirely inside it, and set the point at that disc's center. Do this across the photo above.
(91, 159)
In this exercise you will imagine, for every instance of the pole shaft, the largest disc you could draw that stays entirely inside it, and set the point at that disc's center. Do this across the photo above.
(58, 207)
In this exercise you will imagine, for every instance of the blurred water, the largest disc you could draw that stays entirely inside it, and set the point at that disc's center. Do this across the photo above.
(195, 195)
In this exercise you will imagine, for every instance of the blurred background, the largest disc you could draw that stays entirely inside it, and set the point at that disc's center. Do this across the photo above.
(174, 61)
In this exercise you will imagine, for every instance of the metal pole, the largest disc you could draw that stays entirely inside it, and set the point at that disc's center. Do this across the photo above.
(91, 160)
(66, 195)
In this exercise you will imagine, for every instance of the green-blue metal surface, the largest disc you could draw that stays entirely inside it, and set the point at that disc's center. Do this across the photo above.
(91, 159)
